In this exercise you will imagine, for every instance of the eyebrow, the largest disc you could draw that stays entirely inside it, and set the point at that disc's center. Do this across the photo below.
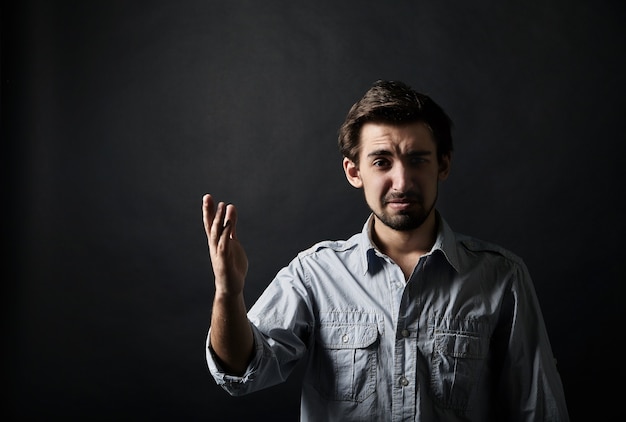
(379, 152)
(384, 152)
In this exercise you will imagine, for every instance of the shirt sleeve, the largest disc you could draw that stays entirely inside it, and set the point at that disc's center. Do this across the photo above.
(530, 380)
(281, 325)
(233, 384)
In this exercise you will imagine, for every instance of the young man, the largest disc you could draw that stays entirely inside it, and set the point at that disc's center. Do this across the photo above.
(406, 320)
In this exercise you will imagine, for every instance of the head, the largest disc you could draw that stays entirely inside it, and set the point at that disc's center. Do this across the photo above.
(394, 102)
(397, 146)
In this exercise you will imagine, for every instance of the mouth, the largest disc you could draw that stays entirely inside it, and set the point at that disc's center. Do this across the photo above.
(401, 201)
(400, 204)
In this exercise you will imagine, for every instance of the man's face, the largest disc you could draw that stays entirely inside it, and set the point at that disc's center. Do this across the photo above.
(399, 172)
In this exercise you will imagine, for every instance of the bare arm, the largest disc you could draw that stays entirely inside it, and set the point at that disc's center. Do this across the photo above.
(231, 335)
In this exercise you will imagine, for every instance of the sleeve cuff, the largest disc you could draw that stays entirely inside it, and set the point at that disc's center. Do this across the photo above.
(229, 381)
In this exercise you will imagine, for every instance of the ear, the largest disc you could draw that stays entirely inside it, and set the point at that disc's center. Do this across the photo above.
(444, 167)
(352, 173)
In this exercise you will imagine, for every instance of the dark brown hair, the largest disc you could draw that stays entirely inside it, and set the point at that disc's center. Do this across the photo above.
(396, 103)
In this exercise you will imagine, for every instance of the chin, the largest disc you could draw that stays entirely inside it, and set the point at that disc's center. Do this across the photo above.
(402, 222)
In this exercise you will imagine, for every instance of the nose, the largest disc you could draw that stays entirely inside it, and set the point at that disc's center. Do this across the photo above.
(401, 178)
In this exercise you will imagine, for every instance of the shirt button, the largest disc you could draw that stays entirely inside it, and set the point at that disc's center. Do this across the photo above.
(405, 333)
(345, 338)
(404, 381)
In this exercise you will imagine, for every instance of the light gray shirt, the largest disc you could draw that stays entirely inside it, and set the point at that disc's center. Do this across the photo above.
(462, 340)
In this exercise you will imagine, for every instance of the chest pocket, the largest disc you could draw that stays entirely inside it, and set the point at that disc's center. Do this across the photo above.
(347, 357)
(460, 348)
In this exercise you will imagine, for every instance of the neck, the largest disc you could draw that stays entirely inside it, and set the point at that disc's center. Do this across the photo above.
(399, 245)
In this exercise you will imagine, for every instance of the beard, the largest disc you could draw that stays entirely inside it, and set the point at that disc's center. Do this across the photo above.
(409, 219)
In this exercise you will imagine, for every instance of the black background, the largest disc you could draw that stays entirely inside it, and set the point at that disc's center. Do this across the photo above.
(117, 116)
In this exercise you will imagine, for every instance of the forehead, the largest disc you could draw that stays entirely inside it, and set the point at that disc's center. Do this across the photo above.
(403, 138)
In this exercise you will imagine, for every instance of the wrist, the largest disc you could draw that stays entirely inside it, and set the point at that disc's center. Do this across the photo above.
(228, 296)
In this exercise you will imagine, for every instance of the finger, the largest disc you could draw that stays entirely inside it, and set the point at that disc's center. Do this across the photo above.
(231, 220)
(219, 234)
(208, 213)
(213, 217)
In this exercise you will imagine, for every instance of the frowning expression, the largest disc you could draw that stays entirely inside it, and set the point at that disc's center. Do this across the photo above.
(399, 172)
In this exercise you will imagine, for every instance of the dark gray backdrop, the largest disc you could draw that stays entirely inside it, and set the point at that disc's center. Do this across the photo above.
(117, 116)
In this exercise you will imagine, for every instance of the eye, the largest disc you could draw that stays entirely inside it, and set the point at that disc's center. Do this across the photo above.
(416, 161)
(380, 163)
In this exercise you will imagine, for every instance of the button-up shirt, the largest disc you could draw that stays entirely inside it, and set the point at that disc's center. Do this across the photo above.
(463, 339)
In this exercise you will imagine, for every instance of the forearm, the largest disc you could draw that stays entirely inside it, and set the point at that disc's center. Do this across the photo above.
(231, 335)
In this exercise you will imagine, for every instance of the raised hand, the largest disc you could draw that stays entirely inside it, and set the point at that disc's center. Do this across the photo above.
(228, 258)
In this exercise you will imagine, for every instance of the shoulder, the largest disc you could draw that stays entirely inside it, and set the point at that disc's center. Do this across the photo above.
(337, 248)
(481, 248)
(329, 247)
(463, 250)
(490, 261)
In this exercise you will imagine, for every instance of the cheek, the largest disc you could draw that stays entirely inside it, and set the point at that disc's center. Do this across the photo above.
(430, 186)
(375, 187)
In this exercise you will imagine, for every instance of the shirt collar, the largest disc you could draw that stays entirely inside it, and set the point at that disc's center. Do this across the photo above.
(445, 243)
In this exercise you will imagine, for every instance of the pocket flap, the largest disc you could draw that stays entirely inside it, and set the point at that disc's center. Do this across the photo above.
(341, 336)
(460, 345)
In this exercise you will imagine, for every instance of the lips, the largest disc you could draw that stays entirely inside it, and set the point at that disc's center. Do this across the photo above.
(399, 204)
